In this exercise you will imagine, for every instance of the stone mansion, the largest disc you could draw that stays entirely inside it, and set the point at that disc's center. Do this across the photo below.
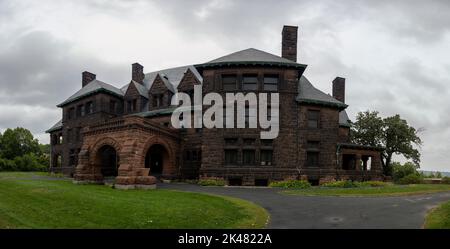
(125, 134)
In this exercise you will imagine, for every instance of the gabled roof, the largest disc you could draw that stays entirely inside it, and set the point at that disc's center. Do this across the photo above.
(172, 76)
(307, 93)
(55, 127)
(165, 80)
(91, 88)
(251, 56)
(142, 90)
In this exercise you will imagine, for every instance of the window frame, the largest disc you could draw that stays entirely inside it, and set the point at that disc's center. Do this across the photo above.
(225, 76)
(265, 83)
(248, 76)
(309, 119)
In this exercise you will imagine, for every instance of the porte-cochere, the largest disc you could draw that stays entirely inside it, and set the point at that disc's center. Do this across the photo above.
(131, 149)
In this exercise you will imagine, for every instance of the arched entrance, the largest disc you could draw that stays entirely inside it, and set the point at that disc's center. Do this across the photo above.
(157, 158)
(108, 161)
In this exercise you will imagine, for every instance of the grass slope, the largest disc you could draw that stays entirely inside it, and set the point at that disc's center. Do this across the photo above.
(29, 200)
(439, 218)
(389, 190)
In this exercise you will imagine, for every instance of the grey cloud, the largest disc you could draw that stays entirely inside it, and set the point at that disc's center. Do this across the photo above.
(38, 69)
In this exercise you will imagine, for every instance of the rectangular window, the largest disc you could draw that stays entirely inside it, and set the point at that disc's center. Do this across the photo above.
(134, 107)
(312, 158)
(249, 141)
(231, 156)
(266, 142)
(72, 157)
(271, 82)
(112, 106)
(161, 100)
(154, 100)
(89, 108)
(231, 141)
(129, 106)
(80, 110)
(250, 82)
(250, 113)
(313, 145)
(266, 157)
(69, 135)
(194, 155)
(313, 118)
(77, 134)
(248, 157)
(71, 113)
(229, 82)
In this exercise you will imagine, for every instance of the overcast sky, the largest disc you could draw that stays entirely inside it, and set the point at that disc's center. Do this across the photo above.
(395, 56)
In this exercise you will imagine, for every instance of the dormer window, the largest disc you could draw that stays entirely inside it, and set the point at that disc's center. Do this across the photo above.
(157, 100)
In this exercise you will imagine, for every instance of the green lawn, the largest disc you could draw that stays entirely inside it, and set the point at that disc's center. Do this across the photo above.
(439, 218)
(30, 200)
(389, 190)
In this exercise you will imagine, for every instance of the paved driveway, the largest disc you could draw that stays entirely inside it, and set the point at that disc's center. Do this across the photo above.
(294, 211)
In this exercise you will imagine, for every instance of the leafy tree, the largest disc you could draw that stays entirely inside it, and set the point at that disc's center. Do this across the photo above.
(18, 142)
(438, 174)
(394, 134)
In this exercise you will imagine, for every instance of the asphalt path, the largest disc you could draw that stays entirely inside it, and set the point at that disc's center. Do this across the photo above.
(296, 211)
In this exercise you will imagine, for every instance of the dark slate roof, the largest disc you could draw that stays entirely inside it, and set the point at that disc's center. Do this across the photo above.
(55, 127)
(91, 88)
(344, 120)
(307, 93)
(251, 56)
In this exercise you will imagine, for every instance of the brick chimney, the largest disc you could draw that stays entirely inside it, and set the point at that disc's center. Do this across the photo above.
(86, 77)
(339, 89)
(289, 42)
(137, 73)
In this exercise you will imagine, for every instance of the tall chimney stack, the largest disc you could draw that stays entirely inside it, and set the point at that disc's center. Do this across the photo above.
(86, 77)
(137, 73)
(339, 89)
(289, 42)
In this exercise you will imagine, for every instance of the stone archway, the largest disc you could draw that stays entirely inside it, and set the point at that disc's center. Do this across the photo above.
(157, 158)
(107, 159)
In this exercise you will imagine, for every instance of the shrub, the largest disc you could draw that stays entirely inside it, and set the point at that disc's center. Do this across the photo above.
(291, 184)
(7, 165)
(401, 170)
(446, 180)
(27, 162)
(211, 182)
(411, 179)
(340, 184)
(371, 184)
